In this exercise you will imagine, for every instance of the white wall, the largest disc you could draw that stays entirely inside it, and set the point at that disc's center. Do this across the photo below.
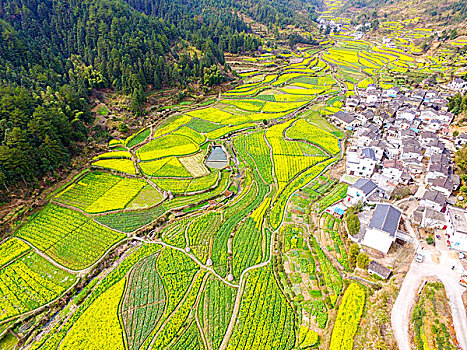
(378, 240)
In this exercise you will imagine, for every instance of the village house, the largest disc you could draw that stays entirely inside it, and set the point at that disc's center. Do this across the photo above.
(366, 138)
(458, 85)
(426, 137)
(461, 140)
(394, 170)
(382, 229)
(433, 125)
(444, 185)
(434, 200)
(430, 218)
(345, 120)
(436, 170)
(361, 163)
(434, 147)
(379, 147)
(457, 228)
(379, 270)
(360, 191)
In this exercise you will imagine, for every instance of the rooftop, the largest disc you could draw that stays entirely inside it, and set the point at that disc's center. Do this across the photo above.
(367, 186)
(434, 196)
(368, 153)
(378, 269)
(458, 218)
(385, 218)
(345, 117)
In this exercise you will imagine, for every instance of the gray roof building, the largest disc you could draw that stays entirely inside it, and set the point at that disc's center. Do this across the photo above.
(365, 185)
(368, 153)
(385, 218)
(440, 159)
(375, 268)
(345, 117)
(435, 197)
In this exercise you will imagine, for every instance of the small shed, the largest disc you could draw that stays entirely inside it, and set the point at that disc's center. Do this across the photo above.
(375, 268)
(338, 212)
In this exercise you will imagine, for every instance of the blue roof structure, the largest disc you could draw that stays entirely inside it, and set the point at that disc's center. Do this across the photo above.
(339, 211)
(368, 153)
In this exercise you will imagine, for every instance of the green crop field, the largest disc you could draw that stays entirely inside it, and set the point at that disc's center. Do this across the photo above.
(150, 248)
(101, 192)
(70, 238)
(28, 281)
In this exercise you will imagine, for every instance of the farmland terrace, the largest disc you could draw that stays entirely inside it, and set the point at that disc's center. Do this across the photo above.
(258, 253)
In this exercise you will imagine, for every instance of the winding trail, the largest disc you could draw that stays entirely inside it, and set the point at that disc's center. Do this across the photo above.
(191, 256)
(417, 274)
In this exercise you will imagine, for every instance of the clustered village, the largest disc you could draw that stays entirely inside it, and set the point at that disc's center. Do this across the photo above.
(401, 147)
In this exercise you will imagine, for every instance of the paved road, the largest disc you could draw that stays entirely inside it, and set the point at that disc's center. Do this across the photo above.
(416, 275)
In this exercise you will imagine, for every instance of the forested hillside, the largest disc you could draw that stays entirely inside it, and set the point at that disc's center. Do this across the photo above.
(57, 51)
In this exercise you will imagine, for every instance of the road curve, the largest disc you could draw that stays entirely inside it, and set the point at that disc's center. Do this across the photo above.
(417, 274)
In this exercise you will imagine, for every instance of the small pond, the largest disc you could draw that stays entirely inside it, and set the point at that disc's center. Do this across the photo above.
(217, 158)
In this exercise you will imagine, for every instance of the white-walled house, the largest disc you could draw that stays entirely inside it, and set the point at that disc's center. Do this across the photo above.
(366, 138)
(411, 152)
(434, 200)
(408, 114)
(426, 137)
(445, 117)
(461, 140)
(442, 184)
(361, 163)
(382, 229)
(392, 151)
(458, 84)
(345, 120)
(428, 114)
(436, 170)
(372, 98)
(457, 228)
(360, 191)
(379, 147)
(434, 147)
(433, 125)
(394, 170)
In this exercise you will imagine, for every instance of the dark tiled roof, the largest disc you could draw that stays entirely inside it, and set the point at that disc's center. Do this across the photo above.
(443, 182)
(440, 159)
(367, 186)
(385, 218)
(379, 270)
(434, 196)
(346, 118)
(393, 163)
(438, 167)
(368, 153)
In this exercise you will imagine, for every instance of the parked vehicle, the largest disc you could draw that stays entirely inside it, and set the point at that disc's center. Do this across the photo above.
(419, 258)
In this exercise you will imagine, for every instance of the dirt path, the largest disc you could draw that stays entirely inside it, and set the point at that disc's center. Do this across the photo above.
(417, 274)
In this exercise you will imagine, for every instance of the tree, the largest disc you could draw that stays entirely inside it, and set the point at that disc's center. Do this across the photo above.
(362, 260)
(122, 127)
(353, 224)
(353, 253)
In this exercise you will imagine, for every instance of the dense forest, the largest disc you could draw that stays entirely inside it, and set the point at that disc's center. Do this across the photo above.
(54, 52)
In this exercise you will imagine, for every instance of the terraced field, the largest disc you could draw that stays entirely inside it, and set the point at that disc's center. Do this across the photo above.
(199, 266)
